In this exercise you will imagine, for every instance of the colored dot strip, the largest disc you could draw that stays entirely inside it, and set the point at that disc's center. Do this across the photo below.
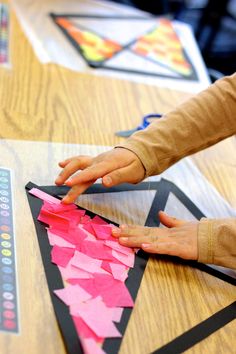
(8, 284)
(4, 35)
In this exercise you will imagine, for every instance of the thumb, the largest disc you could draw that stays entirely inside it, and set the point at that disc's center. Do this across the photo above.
(170, 221)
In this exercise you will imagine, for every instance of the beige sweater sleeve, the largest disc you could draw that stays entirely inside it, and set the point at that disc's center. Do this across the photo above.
(196, 124)
(217, 242)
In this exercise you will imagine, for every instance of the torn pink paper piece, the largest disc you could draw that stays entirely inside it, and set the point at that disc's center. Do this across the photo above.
(127, 260)
(113, 292)
(71, 272)
(59, 241)
(54, 220)
(98, 317)
(44, 196)
(89, 236)
(98, 220)
(89, 264)
(58, 208)
(61, 255)
(88, 227)
(96, 250)
(117, 314)
(75, 236)
(119, 271)
(117, 247)
(75, 217)
(85, 219)
(106, 266)
(91, 347)
(102, 232)
(72, 294)
(84, 330)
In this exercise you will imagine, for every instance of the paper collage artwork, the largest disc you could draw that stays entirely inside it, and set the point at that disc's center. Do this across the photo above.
(94, 267)
(93, 281)
(154, 50)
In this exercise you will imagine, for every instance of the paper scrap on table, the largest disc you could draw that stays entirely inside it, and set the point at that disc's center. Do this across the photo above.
(94, 267)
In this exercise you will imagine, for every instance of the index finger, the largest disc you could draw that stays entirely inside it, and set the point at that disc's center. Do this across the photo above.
(71, 166)
(75, 191)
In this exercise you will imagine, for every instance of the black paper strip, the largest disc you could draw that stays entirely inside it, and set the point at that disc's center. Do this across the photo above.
(200, 331)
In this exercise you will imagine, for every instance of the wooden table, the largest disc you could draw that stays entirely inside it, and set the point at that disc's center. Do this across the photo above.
(49, 103)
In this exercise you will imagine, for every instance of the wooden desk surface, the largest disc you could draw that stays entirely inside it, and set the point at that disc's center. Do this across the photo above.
(49, 103)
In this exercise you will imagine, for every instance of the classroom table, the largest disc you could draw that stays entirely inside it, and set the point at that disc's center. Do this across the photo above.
(47, 103)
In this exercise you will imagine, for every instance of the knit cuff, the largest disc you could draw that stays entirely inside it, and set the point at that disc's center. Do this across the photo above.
(205, 241)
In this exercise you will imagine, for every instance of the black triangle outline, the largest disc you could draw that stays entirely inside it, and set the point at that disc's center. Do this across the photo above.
(163, 189)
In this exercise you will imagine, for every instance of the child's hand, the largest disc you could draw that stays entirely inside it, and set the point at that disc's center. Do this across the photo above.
(178, 239)
(114, 167)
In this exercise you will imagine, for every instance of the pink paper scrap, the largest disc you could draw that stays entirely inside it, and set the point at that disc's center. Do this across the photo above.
(84, 331)
(54, 220)
(59, 241)
(91, 347)
(89, 264)
(96, 250)
(44, 196)
(98, 220)
(72, 294)
(61, 255)
(113, 292)
(71, 272)
(102, 232)
(119, 271)
(117, 247)
(94, 266)
(98, 317)
(127, 260)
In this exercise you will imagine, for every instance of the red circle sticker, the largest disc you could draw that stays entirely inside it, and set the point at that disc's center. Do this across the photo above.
(9, 324)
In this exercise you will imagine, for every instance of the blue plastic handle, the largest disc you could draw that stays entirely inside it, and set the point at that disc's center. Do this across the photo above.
(147, 120)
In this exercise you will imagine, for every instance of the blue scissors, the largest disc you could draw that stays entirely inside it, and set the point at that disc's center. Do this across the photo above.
(145, 122)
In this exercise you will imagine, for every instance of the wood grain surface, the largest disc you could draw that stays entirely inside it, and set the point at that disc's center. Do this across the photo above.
(49, 103)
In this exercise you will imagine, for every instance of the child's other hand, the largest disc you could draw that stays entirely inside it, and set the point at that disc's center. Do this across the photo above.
(179, 238)
(114, 167)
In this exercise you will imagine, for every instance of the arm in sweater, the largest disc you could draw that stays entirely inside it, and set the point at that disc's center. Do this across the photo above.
(198, 123)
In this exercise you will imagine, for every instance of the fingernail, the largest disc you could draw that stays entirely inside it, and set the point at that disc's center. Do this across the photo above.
(116, 231)
(123, 239)
(65, 200)
(145, 245)
(107, 180)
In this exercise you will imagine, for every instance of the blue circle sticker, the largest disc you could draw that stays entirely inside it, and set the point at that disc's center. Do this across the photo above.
(6, 261)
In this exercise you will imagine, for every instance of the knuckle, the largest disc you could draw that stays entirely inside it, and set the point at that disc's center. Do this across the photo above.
(154, 238)
(64, 171)
(117, 175)
(147, 231)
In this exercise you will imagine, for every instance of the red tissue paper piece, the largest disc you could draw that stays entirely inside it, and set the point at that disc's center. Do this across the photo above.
(113, 292)
(94, 267)
(61, 255)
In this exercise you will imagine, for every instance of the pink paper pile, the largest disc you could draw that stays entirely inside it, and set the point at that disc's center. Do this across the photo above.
(94, 267)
